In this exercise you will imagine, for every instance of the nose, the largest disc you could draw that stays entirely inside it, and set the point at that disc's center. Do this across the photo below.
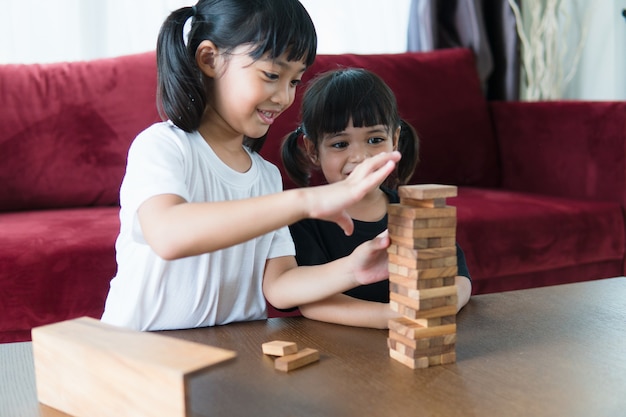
(284, 94)
(358, 153)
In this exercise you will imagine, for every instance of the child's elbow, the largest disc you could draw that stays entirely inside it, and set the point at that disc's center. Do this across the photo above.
(275, 299)
(167, 251)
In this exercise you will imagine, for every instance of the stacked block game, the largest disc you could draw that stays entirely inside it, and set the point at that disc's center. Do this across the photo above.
(422, 271)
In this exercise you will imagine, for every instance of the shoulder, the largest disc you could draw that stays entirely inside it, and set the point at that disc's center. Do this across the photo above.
(266, 168)
(162, 138)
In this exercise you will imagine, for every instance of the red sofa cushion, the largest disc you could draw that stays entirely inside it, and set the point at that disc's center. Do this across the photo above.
(512, 234)
(65, 129)
(54, 265)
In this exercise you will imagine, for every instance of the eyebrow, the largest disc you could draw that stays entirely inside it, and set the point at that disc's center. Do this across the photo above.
(284, 64)
(343, 132)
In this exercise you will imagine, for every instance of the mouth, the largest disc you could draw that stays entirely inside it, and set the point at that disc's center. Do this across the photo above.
(268, 117)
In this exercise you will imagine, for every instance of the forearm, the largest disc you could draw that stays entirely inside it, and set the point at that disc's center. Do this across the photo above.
(349, 311)
(287, 286)
(176, 229)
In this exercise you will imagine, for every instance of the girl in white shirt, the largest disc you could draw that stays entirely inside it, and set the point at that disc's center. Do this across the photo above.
(203, 216)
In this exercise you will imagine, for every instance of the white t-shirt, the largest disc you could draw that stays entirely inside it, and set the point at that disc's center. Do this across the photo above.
(149, 293)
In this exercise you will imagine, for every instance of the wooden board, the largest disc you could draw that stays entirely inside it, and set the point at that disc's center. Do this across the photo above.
(84, 367)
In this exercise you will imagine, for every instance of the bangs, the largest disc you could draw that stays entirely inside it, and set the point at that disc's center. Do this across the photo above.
(351, 94)
(283, 28)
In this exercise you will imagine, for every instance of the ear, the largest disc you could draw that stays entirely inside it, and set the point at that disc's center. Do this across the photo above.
(207, 56)
(396, 138)
(311, 151)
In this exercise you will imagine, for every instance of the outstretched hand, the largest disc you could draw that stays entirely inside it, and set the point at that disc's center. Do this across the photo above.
(370, 260)
(333, 200)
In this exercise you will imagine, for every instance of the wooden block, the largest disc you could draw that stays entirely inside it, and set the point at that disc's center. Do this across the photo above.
(422, 223)
(420, 352)
(428, 298)
(84, 367)
(297, 360)
(401, 210)
(423, 263)
(427, 253)
(443, 359)
(399, 231)
(429, 203)
(434, 293)
(412, 330)
(401, 284)
(279, 348)
(408, 361)
(422, 274)
(427, 191)
(403, 310)
(423, 343)
(419, 312)
(423, 243)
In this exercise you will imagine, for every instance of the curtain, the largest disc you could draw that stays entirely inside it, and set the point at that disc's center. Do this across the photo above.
(485, 26)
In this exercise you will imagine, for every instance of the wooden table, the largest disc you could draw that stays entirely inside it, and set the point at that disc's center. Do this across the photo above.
(553, 351)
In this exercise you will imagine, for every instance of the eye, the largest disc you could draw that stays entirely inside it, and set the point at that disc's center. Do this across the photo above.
(296, 83)
(339, 145)
(375, 140)
(270, 76)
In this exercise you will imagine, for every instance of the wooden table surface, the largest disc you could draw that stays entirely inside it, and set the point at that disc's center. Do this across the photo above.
(553, 351)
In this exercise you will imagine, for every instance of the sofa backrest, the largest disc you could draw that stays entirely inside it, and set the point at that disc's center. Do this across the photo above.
(439, 93)
(65, 128)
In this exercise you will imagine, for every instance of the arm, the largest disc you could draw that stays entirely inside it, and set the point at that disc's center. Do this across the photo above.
(349, 311)
(176, 229)
(464, 290)
(286, 285)
(346, 310)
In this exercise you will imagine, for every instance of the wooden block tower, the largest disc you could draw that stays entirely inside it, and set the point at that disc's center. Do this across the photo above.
(422, 271)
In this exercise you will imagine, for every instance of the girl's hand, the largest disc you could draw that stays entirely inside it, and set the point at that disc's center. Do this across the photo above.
(329, 202)
(370, 260)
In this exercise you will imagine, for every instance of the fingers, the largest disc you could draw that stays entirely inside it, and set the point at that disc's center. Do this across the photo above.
(383, 239)
(374, 170)
(345, 222)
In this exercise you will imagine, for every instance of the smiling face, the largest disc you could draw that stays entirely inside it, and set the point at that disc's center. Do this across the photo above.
(247, 94)
(339, 153)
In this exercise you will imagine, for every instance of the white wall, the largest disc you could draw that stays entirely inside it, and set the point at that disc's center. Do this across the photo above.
(68, 30)
(601, 74)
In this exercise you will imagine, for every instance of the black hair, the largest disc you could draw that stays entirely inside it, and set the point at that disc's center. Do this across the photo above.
(271, 27)
(330, 101)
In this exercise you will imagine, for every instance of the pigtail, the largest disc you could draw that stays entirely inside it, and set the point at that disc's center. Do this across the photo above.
(180, 90)
(408, 145)
(295, 161)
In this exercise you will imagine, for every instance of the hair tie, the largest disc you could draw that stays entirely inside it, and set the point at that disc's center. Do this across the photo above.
(299, 130)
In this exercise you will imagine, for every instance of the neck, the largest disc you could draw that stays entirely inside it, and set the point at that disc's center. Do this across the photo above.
(371, 208)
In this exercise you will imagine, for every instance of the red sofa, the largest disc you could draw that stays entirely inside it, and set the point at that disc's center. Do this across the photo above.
(542, 186)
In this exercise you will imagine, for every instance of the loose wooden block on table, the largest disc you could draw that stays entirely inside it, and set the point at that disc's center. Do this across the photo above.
(84, 367)
(297, 360)
(279, 348)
